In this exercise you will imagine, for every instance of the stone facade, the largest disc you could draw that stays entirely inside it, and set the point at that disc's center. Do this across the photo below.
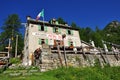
(57, 51)
(49, 33)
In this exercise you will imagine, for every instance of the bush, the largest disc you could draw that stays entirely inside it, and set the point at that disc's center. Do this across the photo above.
(15, 60)
(1, 70)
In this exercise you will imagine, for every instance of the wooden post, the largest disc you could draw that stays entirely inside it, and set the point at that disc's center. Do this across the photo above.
(101, 53)
(115, 53)
(106, 51)
(16, 45)
(59, 54)
(85, 56)
(9, 48)
(63, 37)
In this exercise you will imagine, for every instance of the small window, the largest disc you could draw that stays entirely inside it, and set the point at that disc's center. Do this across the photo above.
(42, 41)
(70, 43)
(58, 41)
(42, 28)
(55, 30)
(69, 32)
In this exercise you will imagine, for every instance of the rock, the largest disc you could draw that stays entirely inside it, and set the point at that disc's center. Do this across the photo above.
(33, 70)
(15, 74)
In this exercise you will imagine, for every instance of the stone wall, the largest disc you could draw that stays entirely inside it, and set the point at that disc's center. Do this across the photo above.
(52, 61)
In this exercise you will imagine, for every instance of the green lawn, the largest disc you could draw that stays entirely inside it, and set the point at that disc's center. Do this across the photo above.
(88, 73)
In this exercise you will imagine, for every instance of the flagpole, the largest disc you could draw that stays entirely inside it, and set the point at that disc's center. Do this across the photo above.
(41, 14)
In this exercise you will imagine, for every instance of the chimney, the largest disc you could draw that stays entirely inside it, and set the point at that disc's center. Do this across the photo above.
(28, 17)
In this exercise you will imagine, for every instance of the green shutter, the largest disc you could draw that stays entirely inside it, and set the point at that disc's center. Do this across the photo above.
(59, 30)
(46, 41)
(53, 30)
(68, 43)
(51, 21)
(39, 27)
(45, 28)
(74, 43)
(39, 41)
(56, 22)
(66, 31)
(71, 32)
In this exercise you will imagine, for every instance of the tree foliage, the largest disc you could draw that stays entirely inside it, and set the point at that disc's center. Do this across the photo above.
(61, 21)
(110, 33)
(73, 25)
(10, 29)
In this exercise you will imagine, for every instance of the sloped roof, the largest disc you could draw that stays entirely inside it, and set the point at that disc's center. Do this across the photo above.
(33, 21)
(88, 44)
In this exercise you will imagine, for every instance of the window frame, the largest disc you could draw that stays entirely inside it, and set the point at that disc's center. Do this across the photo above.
(42, 28)
(42, 41)
(56, 30)
(69, 32)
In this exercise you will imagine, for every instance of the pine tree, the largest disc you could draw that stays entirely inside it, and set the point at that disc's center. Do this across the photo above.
(10, 29)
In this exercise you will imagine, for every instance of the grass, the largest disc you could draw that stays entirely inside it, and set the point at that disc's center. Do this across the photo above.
(87, 73)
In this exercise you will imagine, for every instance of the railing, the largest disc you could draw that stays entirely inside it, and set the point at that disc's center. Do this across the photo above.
(4, 58)
(4, 55)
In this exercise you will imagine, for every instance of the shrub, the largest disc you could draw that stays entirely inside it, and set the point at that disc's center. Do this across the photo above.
(15, 60)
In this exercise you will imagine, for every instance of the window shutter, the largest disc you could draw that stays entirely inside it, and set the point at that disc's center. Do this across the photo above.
(59, 30)
(71, 32)
(39, 41)
(68, 43)
(53, 30)
(66, 31)
(56, 23)
(39, 27)
(46, 41)
(45, 27)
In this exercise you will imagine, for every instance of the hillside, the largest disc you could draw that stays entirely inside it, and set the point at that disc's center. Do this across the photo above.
(112, 32)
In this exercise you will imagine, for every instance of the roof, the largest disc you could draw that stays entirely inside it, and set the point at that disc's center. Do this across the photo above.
(90, 46)
(33, 21)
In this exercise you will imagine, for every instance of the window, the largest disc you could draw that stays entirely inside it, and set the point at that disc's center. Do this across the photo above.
(42, 28)
(69, 32)
(74, 43)
(70, 44)
(42, 41)
(58, 42)
(56, 30)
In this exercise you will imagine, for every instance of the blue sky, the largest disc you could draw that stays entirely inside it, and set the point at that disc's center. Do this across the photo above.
(85, 13)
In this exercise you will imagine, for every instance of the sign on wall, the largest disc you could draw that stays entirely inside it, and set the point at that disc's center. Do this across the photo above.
(39, 34)
(49, 36)
(53, 36)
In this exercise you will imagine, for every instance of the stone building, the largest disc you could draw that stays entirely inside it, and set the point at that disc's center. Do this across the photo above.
(61, 46)
(51, 33)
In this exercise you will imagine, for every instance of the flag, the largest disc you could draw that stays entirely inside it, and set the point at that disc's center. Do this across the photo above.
(41, 14)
